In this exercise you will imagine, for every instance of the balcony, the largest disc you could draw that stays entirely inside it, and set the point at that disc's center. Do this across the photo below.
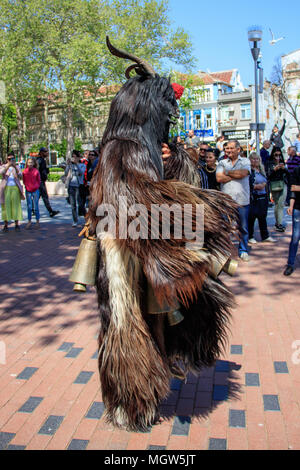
(227, 123)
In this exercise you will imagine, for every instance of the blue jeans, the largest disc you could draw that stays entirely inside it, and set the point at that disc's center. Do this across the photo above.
(243, 228)
(295, 237)
(75, 201)
(32, 199)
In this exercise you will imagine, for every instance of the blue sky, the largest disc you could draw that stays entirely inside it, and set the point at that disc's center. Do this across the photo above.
(218, 30)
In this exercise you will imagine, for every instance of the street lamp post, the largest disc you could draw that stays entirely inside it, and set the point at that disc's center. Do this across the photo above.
(255, 36)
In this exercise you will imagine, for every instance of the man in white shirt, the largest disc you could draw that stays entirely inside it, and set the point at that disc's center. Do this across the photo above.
(233, 174)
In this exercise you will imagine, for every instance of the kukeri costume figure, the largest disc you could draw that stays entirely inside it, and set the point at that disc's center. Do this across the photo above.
(163, 310)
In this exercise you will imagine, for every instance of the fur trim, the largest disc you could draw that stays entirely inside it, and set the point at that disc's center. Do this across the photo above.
(181, 167)
(167, 264)
(134, 378)
(201, 337)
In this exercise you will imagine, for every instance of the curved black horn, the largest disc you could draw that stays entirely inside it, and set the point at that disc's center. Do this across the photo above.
(143, 67)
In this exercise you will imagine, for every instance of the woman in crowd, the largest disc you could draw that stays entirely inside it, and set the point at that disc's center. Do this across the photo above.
(276, 136)
(11, 192)
(258, 200)
(74, 174)
(208, 171)
(278, 178)
(32, 181)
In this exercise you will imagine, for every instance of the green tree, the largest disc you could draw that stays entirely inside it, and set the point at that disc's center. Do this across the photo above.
(20, 69)
(62, 57)
(193, 88)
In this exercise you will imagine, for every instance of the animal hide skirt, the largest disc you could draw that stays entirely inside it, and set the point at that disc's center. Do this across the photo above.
(139, 350)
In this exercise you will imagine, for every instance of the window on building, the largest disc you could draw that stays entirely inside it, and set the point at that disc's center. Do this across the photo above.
(202, 95)
(225, 113)
(197, 119)
(52, 136)
(207, 95)
(246, 111)
(32, 137)
(208, 121)
(33, 120)
(51, 117)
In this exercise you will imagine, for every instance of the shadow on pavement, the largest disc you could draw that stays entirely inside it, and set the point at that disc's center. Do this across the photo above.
(199, 399)
(34, 268)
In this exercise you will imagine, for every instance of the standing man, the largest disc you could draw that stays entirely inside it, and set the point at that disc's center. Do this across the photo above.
(292, 163)
(264, 152)
(203, 148)
(42, 167)
(265, 155)
(83, 188)
(294, 210)
(192, 140)
(233, 174)
(297, 144)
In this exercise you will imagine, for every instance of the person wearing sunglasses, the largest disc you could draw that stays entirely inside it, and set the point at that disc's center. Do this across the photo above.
(278, 179)
(11, 192)
(202, 149)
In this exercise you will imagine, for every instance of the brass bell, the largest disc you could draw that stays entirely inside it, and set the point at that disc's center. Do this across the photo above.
(175, 317)
(222, 263)
(153, 306)
(230, 267)
(84, 268)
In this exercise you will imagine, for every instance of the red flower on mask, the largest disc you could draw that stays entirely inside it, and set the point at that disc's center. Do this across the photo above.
(178, 90)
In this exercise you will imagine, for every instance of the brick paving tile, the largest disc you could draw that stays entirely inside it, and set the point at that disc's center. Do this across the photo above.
(99, 440)
(177, 442)
(85, 429)
(138, 441)
(257, 436)
(198, 437)
(16, 422)
(237, 439)
(38, 442)
(217, 444)
(250, 399)
(160, 433)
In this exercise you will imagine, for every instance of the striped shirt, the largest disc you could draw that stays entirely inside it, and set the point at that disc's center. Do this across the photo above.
(292, 163)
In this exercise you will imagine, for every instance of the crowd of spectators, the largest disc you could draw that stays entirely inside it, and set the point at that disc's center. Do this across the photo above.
(255, 182)
(34, 174)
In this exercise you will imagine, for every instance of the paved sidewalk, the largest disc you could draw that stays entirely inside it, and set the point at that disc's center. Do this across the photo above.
(50, 396)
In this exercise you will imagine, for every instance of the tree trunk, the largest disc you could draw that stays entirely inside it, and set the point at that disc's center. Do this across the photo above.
(70, 132)
(21, 128)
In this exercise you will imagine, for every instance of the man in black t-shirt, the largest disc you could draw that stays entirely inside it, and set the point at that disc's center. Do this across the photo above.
(294, 210)
(42, 167)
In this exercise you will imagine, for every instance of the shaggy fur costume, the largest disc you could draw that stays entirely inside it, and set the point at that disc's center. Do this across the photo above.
(138, 351)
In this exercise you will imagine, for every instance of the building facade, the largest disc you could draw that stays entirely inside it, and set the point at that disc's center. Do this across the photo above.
(47, 122)
(203, 117)
(221, 106)
(226, 107)
(291, 87)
